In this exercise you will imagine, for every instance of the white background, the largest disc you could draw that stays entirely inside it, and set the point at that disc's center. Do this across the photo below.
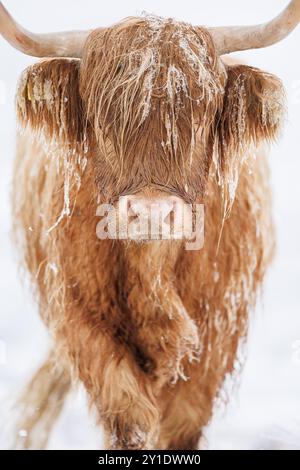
(265, 411)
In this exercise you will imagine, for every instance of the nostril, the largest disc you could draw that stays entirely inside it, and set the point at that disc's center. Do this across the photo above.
(129, 205)
(131, 212)
(138, 210)
(170, 218)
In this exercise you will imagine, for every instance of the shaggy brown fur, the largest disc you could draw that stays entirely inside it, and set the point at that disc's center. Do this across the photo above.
(151, 330)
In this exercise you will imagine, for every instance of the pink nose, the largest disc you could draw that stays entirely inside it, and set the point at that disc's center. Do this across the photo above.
(152, 218)
(139, 206)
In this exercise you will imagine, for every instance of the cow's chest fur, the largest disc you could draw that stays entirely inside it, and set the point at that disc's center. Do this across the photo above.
(149, 317)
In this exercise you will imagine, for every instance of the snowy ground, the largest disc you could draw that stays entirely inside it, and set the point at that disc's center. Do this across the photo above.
(265, 412)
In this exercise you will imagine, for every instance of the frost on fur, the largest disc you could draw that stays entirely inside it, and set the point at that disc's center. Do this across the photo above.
(49, 106)
(253, 112)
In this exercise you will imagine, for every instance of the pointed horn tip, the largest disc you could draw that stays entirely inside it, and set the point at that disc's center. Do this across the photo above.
(240, 38)
(3, 12)
(63, 44)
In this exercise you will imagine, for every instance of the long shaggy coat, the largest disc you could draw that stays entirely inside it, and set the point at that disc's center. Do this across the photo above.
(151, 330)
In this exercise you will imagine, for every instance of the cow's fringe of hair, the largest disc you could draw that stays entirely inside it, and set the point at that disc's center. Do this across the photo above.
(151, 76)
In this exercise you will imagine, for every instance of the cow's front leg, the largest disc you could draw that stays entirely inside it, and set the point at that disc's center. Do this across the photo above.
(164, 330)
(167, 334)
(128, 407)
(117, 387)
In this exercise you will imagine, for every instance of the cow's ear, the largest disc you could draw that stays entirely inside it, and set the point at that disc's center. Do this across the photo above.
(253, 110)
(49, 103)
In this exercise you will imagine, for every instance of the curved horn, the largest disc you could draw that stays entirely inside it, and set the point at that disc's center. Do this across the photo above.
(64, 44)
(240, 38)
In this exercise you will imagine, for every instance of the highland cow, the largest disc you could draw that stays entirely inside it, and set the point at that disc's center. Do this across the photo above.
(146, 109)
